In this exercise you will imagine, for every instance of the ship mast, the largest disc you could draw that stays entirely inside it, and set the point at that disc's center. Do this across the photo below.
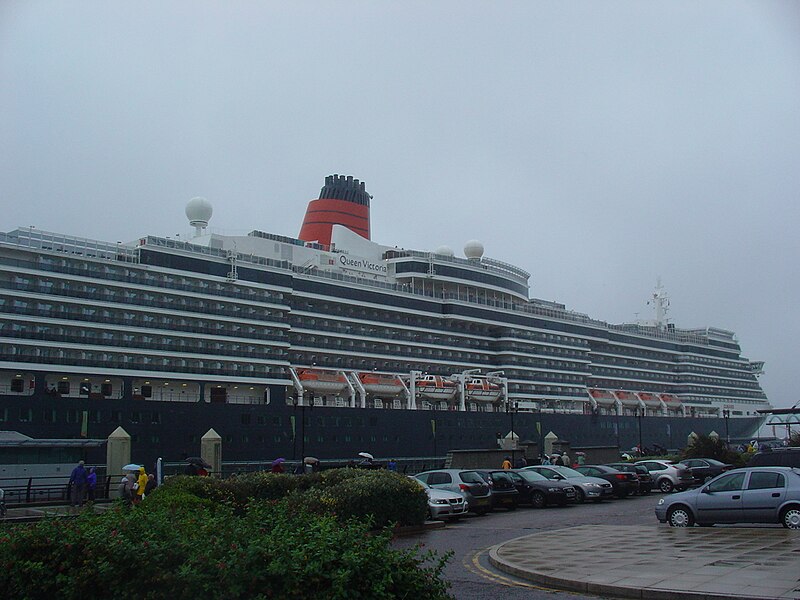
(660, 303)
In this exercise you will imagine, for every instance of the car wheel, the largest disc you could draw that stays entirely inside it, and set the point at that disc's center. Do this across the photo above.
(538, 500)
(580, 496)
(621, 495)
(680, 517)
(665, 485)
(791, 518)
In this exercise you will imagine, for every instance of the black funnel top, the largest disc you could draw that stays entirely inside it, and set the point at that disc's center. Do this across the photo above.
(341, 187)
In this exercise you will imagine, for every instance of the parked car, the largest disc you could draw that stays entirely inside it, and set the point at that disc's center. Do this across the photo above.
(623, 483)
(476, 491)
(704, 469)
(668, 476)
(504, 492)
(748, 495)
(443, 504)
(586, 488)
(642, 474)
(539, 491)
(778, 457)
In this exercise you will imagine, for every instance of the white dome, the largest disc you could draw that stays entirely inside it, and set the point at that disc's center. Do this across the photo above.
(473, 249)
(199, 211)
(444, 251)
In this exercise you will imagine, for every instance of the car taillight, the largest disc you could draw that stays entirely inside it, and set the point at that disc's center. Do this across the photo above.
(621, 476)
(463, 488)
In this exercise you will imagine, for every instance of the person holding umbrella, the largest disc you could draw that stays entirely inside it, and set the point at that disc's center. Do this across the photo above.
(277, 465)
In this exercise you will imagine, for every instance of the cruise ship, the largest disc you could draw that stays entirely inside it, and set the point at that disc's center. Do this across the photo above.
(329, 344)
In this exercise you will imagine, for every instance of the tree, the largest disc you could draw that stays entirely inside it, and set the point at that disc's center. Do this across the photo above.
(711, 447)
(794, 439)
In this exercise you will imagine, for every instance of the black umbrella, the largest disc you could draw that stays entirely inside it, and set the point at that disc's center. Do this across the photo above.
(196, 460)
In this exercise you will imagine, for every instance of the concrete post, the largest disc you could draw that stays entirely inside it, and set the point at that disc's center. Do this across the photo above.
(548, 442)
(691, 439)
(211, 451)
(118, 454)
(713, 435)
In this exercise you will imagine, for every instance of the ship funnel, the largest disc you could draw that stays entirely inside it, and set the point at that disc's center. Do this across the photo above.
(342, 201)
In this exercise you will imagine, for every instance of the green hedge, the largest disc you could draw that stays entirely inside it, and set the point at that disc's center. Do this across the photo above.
(384, 496)
(178, 545)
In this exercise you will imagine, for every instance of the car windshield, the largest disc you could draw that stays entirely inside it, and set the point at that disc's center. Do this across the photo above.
(422, 483)
(532, 476)
(567, 472)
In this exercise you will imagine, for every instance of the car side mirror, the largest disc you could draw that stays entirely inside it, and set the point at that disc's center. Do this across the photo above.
(705, 490)
(557, 477)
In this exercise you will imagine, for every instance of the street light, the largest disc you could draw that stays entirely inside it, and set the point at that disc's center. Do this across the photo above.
(726, 414)
(511, 408)
(639, 415)
(616, 426)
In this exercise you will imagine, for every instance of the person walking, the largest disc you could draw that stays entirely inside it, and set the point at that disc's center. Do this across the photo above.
(78, 482)
(141, 484)
(151, 485)
(566, 460)
(91, 484)
(506, 463)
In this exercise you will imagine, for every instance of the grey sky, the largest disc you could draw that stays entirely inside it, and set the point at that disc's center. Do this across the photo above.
(597, 145)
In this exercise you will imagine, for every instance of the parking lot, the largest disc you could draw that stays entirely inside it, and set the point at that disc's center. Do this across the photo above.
(473, 577)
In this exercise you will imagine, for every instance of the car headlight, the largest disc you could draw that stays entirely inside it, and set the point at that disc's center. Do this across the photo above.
(593, 485)
(661, 501)
(440, 502)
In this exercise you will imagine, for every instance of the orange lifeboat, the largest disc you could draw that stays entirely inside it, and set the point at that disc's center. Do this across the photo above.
(436, 387)
(650, 401)
(323, 382)
(382, 385)
(483, 389)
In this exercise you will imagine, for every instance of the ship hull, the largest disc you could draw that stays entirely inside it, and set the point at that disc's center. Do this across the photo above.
(172, 430)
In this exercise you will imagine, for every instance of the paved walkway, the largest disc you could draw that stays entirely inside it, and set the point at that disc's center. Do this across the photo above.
(659, 562)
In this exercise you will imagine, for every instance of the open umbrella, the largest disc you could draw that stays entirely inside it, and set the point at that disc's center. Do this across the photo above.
(131, 467)
(196, 460)
(310, 460)
(278, 461)
(366, 455)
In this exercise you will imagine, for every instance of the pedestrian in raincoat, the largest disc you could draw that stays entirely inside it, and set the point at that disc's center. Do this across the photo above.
(141, 484)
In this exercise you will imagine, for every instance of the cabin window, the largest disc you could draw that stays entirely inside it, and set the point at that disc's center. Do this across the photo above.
(17, 384)
(106, 389)
(63, 388)
(147, 391)
(85, 388)
(25, 415)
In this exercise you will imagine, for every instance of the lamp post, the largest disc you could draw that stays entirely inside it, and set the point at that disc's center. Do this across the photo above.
(616, 426)
(726, 414)
(511, 408)
(639, 415)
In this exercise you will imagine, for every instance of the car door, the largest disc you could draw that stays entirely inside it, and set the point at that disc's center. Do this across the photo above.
(765, 492)
(721, 500)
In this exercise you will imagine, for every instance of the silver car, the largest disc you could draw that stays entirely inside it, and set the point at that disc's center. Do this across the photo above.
(443, 504)
(749, 495)
(464, 481)
(586, 488)
(667, 475)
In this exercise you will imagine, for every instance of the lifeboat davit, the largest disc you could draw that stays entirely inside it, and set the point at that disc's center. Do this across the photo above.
(323, 382)
(484, 390)
(436, 387)
(381, 385)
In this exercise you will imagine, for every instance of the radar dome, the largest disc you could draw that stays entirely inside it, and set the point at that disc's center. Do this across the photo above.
(199, 212)
(473, 249)
(444, 251)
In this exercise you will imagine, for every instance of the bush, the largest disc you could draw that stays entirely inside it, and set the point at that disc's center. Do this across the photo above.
(384, 496)
(179, 546)
(712, 447)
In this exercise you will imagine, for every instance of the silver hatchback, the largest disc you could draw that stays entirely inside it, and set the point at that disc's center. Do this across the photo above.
(749, 495)
(465, 481)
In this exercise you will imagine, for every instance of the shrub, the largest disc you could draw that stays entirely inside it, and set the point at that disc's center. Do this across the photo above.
(179, 546)
(712, 447)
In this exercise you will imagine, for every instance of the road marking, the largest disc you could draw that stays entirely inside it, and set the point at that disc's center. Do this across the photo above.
(478, 569)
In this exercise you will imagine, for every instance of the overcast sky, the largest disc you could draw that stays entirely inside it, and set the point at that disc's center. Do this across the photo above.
(598, 145)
